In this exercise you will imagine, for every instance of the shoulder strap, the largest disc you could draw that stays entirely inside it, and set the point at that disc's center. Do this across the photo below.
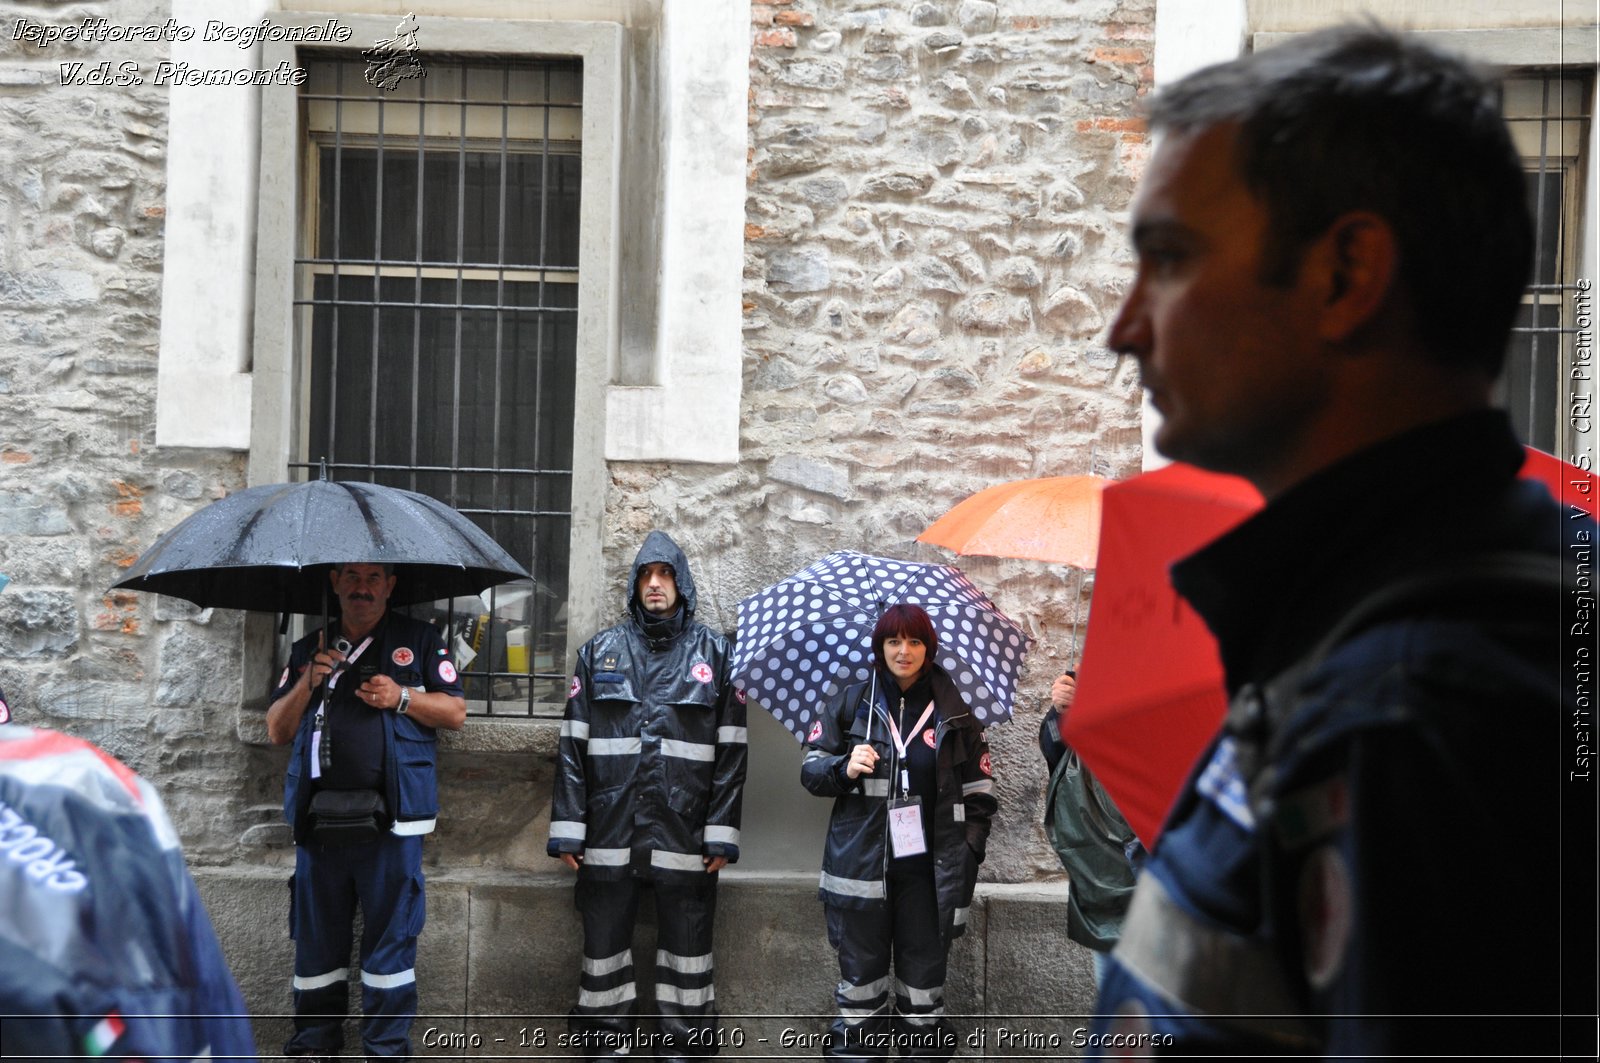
(1500, 578)
(1505, 579)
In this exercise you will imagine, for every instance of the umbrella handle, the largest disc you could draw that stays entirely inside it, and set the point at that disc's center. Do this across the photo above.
(872, 703)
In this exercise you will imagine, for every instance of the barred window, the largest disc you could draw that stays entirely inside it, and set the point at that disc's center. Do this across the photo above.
(436, 297)
(1549, 118)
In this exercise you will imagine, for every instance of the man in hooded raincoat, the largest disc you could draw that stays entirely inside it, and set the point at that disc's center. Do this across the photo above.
(648, 791)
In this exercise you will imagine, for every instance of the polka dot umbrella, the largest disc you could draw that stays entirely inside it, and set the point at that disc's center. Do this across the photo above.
(803, 640)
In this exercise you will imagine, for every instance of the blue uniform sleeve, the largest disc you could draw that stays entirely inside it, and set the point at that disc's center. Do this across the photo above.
(299, 656)
(828, 752)
(569, 803)
(438, 670)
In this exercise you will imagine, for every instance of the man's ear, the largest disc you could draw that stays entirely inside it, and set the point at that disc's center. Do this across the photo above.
(1359, 256)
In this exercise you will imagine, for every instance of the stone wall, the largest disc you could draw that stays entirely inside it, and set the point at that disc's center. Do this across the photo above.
(82, 488)
(935, 246)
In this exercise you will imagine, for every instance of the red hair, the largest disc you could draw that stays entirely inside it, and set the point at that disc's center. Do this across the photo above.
(907, 622)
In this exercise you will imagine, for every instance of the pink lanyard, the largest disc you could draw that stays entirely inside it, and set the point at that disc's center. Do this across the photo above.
(903, 745)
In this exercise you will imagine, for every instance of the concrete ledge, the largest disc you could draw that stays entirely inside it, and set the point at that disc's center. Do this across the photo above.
(499, 959)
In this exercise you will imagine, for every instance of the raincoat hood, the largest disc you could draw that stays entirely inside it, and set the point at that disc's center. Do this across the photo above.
(658, 546)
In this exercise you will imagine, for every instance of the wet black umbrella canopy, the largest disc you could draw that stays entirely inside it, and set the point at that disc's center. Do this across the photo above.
(271, 547)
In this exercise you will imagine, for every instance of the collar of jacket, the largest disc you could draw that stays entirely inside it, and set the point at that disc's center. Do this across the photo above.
(953, 710)
(1269, 588)
(659, 633)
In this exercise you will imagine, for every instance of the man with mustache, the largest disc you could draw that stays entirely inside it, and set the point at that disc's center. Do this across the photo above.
(649, 783)
(360, 793)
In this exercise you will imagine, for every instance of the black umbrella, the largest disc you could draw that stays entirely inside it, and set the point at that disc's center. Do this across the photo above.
(271, 547)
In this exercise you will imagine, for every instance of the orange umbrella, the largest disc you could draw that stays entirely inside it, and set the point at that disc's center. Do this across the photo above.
(1055, 518)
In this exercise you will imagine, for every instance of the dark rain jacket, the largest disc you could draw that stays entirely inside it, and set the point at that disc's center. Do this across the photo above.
(854, 862)
(1375, 838)
(650, 774)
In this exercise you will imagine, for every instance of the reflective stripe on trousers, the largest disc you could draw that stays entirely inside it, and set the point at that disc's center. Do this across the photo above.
(872, 1002)
(684, 968)
(385, 879)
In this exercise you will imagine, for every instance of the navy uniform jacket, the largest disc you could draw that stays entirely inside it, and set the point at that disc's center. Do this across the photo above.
(412, 653)
(854, 861)
(1391, 848)
(650, 773)
(105, 948)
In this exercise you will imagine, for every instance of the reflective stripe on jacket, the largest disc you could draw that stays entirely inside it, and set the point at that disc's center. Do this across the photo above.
(853, 862)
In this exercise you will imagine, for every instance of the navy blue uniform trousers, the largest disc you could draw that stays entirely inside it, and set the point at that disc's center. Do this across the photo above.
(905, 1013)
(685, 994)
(385, 879)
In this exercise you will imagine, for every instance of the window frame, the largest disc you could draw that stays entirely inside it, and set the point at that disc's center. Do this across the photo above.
(280, 227)
(1555, 298)
(359, 129)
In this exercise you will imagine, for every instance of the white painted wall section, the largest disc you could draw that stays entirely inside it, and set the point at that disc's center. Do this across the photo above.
(203, 379)
(690, 412)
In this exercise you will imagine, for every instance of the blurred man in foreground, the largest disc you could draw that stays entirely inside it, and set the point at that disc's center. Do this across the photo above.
(1332, 240)
(105, 947)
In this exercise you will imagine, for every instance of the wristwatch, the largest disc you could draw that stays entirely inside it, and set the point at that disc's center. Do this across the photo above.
(405, 701)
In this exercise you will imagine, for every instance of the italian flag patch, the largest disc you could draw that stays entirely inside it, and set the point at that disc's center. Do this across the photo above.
(98, 1041)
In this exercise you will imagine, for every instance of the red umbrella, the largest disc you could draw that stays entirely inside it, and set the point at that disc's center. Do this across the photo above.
(1570, 484)
(1150, 691)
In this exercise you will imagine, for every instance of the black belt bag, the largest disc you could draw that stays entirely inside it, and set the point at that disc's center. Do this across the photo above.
(347, 817)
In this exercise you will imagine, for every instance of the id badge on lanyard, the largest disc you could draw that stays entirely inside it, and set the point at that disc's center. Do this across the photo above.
(906, 837)
(905, 827)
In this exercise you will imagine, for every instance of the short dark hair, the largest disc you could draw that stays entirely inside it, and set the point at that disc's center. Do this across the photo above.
(906, 622)
(1358, 117)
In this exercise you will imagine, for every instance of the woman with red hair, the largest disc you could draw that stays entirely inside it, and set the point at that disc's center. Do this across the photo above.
(908, 768)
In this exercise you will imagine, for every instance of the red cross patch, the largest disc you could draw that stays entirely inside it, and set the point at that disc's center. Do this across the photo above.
(447, 671)
(574, 689)
(738, 692)
(403, 656)
(816, 732)
(701, 671)
(5, 711)
(931, 739)
(284, 678)
(985, 765)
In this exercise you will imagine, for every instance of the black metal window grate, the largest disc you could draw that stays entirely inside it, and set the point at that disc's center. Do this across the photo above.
(1549, 118)
(438, 294)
